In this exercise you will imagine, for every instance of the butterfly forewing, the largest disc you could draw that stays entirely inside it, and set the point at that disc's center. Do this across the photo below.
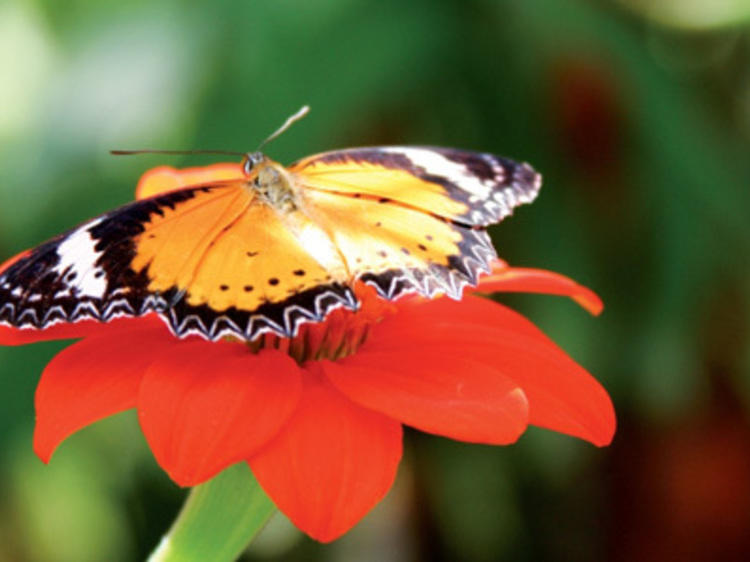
(473, 188)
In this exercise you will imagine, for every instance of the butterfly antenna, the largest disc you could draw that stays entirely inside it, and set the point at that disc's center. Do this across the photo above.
(153, 151)
(288, 123)
(304, 110)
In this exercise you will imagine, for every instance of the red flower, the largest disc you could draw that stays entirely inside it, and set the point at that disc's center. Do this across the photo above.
(318, 417)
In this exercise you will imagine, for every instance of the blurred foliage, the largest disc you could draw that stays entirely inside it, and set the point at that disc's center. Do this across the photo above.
(693, 14)
(637, 113)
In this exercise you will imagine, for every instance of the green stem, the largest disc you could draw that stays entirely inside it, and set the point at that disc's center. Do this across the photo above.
(218, 520)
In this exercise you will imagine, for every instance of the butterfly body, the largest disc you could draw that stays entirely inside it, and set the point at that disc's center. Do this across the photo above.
(272, 183)
(274, 246)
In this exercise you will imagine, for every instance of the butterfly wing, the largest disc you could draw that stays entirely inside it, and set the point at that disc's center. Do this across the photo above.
(259, 273)
(214, 260)
(86, 273)
(471, 188)
(412, 219)
(209, 260)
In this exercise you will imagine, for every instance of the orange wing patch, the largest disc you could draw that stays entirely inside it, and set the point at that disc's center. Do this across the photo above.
(166, 178)
(228, 250)
(473, 188)
(373, 179)
(398, 248)
(175, 239)
(227, 255)
(257, 260)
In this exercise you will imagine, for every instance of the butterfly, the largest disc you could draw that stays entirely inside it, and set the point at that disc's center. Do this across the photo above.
(280, 246)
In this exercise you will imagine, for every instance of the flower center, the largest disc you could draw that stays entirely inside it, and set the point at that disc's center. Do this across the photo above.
(325, 340)
(339, 335)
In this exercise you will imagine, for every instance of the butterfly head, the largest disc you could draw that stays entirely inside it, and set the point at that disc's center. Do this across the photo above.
(270, 182)
(251, 161)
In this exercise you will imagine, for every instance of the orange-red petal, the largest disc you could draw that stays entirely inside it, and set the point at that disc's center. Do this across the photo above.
(332, 463)
(207, 405)
(165, 178)
(76, 330)
(436, 389)
(94, 378)
(562, 396)
(526, 280)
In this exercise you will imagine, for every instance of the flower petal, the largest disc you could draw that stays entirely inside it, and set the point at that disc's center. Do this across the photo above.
(22, 336)
(165, 178)
(94, 378)
(77, 330)
(207, 405)
(526, 280)
(332, 462)
(562, 396)
(444, 393)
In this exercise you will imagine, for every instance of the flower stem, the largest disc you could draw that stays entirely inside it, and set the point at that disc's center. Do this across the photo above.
(218, 520)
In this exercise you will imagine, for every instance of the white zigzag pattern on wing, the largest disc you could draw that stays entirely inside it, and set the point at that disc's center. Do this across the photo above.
(221, 326)
(434, 283)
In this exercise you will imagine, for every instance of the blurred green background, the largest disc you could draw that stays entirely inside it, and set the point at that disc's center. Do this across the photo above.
(636, 112)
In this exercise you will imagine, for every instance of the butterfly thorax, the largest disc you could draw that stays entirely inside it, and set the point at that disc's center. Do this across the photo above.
(271, 183)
